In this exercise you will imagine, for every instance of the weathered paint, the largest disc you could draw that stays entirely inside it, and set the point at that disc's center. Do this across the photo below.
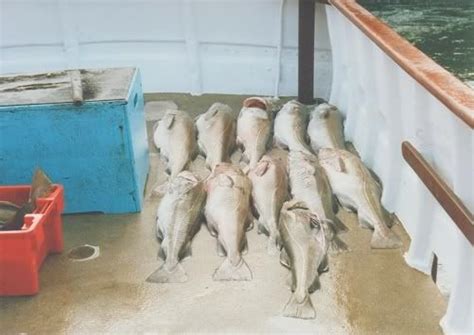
(98, 151)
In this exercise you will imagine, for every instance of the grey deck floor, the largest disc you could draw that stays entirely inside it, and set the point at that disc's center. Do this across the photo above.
(364, 292)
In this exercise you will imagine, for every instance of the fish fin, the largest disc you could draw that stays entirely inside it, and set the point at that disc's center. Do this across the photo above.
(363, 223)
(390, 218)
(163, 275)
(162, 252)
(285, 259)
(169, 120)
(387, 240)
(220, 249)
(335, 204)
(227, 271)
(273, 246)
(338, 245)
(339, 226)
(324, 265)
(41, 186)
(159, 234)
(261, 168)
(299, 310)
(160, 190)
(212, 229)
(290, 282)
(315, 285)
(186, 253)
(262, 229)
(244, 249)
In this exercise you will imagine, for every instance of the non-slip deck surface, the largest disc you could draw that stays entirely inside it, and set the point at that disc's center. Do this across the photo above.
(364, 292)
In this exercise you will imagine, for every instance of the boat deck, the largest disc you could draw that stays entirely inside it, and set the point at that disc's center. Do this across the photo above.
(365, 291)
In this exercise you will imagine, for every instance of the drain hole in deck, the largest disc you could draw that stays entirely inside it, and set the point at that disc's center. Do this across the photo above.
(84, 253)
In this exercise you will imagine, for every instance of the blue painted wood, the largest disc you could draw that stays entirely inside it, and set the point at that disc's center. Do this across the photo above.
(98, 151)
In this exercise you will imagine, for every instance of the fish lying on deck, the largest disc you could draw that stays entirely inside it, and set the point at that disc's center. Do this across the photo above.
(309, 184)
(178, 219)
(290, 127)
(269, 192)
(355, 189)
(216, 134)
(228, 218)
(304, 253)
(325, 128)
(12, 215)
(175, 138)
(254, 126)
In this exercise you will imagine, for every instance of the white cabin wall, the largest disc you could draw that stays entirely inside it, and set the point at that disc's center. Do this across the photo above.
(196, 46)
(384, 106)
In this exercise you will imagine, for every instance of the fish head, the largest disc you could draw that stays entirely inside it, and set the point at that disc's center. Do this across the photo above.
(256, 102)
(323, 111)
(183, 182)
(291, 107)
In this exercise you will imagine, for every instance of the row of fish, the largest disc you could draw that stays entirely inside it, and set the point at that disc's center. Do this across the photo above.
(295, 195)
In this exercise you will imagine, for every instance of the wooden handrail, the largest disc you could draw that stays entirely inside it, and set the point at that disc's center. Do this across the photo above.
(451, 203)
(448, 89)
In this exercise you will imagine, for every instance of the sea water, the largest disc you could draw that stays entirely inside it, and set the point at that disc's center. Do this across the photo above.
(443, 30)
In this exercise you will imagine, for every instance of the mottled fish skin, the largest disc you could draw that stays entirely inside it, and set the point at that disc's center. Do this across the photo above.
(7, 212)
(355, 189)
(310, 185)
(254, 129)
(269, 192)
(175, 138)
(228, 218)
(290, 127)
(177, 222)
(216, 134)
(12, 216)
(325, 128)
(304, 253)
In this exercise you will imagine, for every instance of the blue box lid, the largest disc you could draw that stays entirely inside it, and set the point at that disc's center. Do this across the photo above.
(56, 87)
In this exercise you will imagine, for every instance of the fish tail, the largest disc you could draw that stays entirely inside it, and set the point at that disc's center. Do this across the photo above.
(164, 275)
(273, 245)
(385, 239)
(299, 309)
(227, 271)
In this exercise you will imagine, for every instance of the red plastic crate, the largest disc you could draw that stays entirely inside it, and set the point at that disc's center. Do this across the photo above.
(23, 251)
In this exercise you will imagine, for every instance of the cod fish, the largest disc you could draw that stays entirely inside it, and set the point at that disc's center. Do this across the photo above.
(12, 215)
(228, 218)
(269, 192)
(305, 254)
(216, 134)
(290, 127)
(178, 219)
(356, 190)
(310, 185)
(325, 128)
(254, 129)
(175, 138)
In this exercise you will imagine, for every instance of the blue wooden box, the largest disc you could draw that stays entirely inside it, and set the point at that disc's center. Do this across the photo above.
(97, 150)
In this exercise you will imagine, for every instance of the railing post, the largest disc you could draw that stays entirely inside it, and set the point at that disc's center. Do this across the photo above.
(306, 10)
